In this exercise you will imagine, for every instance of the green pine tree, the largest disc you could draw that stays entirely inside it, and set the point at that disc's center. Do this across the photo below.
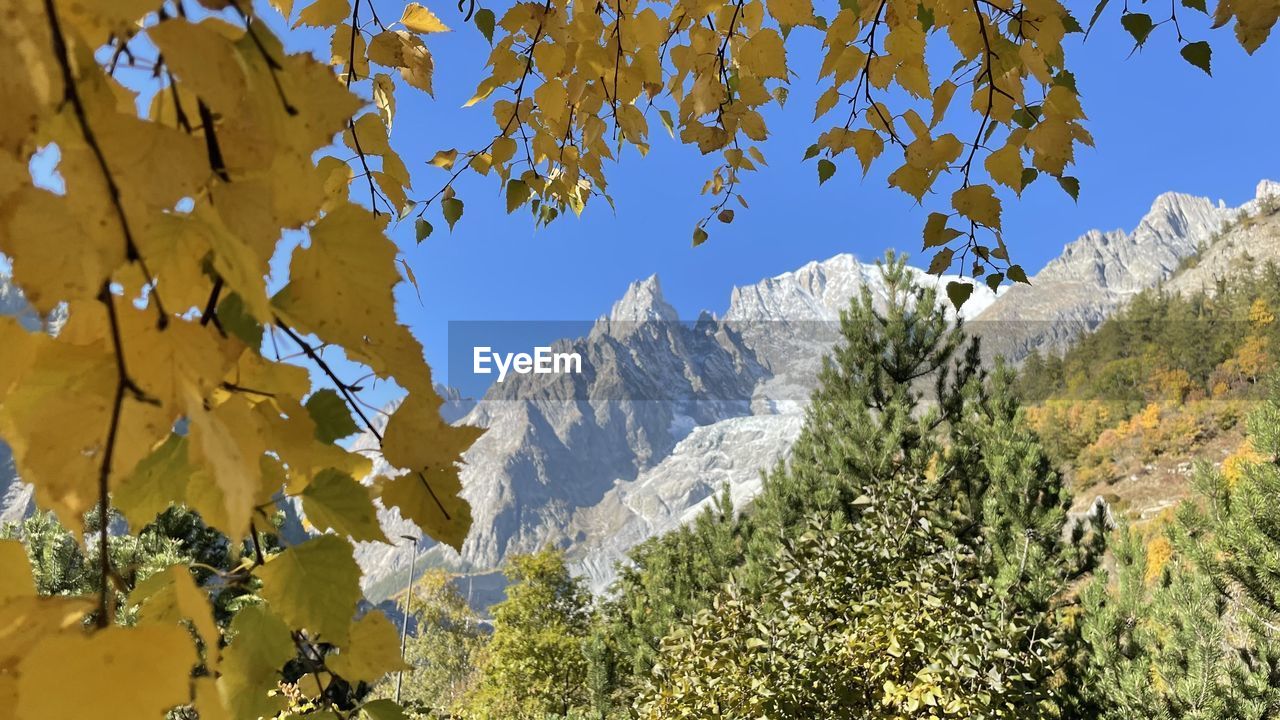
(868, 418)
(909, 558)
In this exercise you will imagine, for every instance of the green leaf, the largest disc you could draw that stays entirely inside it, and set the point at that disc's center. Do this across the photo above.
(422, 229)
(1071, 24)
(1071, 186)
(156, 482)
(812, 151)
(374, 650)
(335, 501)
(259, 648)
(235, 318)
(1029, 176)
(826, 169)
(1139, 26)
(517, 193)
(330, 414)
(925, 16)
(994, 280)
(959, 292)
(314, 586)
(1196, 5)
(699, 236)
(1017, 274)
(452, 208)
(725, 216)
(1198, 54)
(485, 21)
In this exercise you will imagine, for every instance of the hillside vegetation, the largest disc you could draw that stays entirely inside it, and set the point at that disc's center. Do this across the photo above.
(1168, 380)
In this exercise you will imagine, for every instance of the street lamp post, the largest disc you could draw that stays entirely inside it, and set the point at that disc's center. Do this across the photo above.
(408, 606)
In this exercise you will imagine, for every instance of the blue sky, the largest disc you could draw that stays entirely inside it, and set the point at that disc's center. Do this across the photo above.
(1159, 123)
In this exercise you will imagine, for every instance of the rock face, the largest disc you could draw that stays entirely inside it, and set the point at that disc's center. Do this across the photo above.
(1100, 271)
(1251, 240)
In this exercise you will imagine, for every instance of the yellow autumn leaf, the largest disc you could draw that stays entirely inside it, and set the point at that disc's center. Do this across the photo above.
(1005, 166)
(47, 274)
(314, 586)
(324, 13)
(334, 501)
(912, 180)
(868, 145)
(227, 439)
(428, 493)
(347, 50)
(16, 571)
(431, 499)
(171, 597)
(941, 100)
(384, 98)
(57, 417)
(792, 12)
(421, 20)
(826, 101)
(26, 620)
(111, 666)
(340, 289)
(763, 55)
(978, 203)
(372, 651)
(444, 159)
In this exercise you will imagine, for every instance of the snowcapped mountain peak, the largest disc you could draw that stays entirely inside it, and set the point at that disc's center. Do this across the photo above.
(820, 290)
(815, 291)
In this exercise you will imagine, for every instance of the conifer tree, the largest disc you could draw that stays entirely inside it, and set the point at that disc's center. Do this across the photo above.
(905, 563)
(867, 418)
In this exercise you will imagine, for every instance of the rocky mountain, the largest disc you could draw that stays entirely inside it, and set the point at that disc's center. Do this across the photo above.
(1249, 239)
(663, 415)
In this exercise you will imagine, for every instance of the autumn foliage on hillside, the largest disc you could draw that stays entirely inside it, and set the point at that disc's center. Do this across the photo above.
(1166, 375)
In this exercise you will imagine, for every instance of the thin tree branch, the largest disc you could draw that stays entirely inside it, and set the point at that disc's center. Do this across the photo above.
(123, 384)
(72, 93)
